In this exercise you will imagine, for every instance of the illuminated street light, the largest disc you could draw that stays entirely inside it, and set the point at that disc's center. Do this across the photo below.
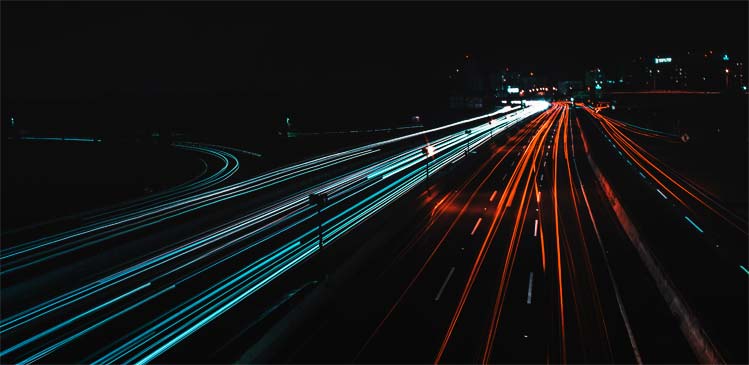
(727, 72)
(429, 151)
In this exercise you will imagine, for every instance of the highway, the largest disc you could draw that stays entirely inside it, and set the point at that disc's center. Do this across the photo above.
(131, 283)
(541, 234)
(568, 243)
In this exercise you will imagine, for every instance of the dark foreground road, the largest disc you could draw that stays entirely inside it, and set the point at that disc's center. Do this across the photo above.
(542, 235)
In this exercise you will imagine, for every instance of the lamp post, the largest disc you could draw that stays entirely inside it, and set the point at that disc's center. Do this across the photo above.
(468, 144)
(727, 72)
(428, 152)
(320, 200)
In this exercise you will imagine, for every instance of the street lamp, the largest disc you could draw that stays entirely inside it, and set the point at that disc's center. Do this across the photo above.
(320, 200)
(727, 72)
(428, 152)
(468, 145)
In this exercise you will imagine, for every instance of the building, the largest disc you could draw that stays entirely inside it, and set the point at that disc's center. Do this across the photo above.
(691, 70)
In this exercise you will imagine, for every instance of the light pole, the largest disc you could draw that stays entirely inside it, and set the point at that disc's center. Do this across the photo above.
(428, 152)
(727, 72)
(468, 144)
(320, 200)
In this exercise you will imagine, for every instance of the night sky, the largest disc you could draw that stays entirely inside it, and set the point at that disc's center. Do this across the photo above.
(92, 51)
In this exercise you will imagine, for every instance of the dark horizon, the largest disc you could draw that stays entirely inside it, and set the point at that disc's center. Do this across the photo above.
(62, 52)
(118, 68)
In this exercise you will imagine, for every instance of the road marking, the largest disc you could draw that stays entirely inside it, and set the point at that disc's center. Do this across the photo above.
(503, 177)
(476, 226)
(659, 192)
(535, 229)
(694, 224)
(439, 293)
(542, 177)
(530, 288)
(643, 176)
(743, 268)
(491, 198)
(544, 163)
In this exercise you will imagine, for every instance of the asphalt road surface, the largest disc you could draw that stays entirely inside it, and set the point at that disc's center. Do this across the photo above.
(542, 234)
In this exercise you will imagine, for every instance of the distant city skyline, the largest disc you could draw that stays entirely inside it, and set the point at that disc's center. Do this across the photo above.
(138, 48)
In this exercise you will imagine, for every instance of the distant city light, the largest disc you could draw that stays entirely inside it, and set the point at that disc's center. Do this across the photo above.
(663, 60)
(13, 120)
(513, 90)
(725, 57)
(598, 86)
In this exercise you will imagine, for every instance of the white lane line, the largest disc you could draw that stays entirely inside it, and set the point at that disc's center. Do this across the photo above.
(503, 177)
(694, 224)
(530, 288)
(544, 163)
(659, 192)
(491, 198)
(476, 226)
(535, 229)
(439, 293)
(542, 177)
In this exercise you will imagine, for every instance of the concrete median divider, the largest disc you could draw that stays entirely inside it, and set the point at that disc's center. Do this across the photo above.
(689, 325)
